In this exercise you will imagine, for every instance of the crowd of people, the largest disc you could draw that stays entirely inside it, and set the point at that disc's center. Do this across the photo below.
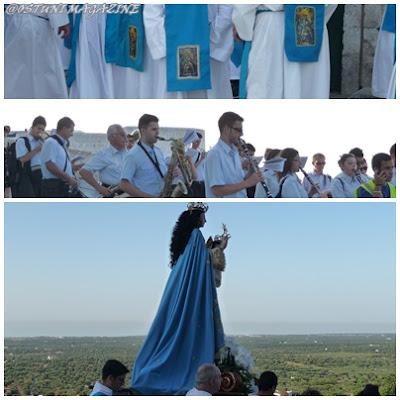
(134, 166)
(207, 383)
(180, 51)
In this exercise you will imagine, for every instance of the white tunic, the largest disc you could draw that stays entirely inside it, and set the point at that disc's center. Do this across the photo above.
(270, 74)
(383, 63)
(94, 78)
(33, 67)
(221, 47)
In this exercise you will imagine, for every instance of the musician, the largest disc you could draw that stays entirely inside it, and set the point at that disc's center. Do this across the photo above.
(345, 184)
(362, 168)
(197, 157)
(290, 185)
(393, 155)
(318, 177)
(144, 166)
(224, 173)
(107, 163)
(270, 176)
(361, 176)
(27, 151)
(247, 167)
(379, 186)
(132, 139)
(57, 170)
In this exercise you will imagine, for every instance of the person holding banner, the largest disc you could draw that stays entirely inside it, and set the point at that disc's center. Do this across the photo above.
(190, 46)
(383, 77)
(286, 51)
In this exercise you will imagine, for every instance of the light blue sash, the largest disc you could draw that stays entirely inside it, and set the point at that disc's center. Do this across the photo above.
(389, 20)
(188, 47)
(124, 41)
(304, 30)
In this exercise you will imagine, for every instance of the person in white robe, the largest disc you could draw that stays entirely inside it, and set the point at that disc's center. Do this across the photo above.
(383, 74)
(94, 77)
(221, 46)
(270, 74)
(33, 67)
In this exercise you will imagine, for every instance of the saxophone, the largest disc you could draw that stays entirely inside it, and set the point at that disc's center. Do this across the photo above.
(177, 160)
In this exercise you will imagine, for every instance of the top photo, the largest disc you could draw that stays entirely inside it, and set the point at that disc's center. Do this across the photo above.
(199, 51)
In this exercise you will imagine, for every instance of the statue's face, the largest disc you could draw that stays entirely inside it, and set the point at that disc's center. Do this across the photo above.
(202, 220)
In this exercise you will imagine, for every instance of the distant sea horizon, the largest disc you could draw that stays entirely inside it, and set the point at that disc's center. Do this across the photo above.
(32, 329)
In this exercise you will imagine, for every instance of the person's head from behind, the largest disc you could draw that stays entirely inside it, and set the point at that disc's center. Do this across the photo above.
(319, 161)
(348, 164)
(230, 127)
(267, 383)
(65, 127)
(393, 154)
(113, 374)
(292, 163)
(193, 218)
(370, 390)
(382, 164)
(117, 137)
(208, 378)
(311, 392)
(38, 127)
(149, 129)
(7, 130)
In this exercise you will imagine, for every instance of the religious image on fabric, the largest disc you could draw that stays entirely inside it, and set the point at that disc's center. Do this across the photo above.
(200, 51)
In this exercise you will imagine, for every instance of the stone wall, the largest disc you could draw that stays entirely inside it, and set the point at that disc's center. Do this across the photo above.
(361, 28)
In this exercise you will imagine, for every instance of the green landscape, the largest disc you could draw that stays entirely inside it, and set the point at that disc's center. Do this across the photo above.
(333, 364)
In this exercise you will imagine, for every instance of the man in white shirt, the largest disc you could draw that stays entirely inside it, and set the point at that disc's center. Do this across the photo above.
(144, 166)
(224, 175)
(33, 68)
(112, 379)
(56, 165)
(208, 381)
(107, 163)
(27, 151)
(197, 158)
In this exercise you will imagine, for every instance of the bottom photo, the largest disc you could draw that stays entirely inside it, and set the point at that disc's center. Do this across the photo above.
(175, 298)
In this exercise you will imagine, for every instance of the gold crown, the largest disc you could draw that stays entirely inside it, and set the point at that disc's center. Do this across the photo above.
(197, 206)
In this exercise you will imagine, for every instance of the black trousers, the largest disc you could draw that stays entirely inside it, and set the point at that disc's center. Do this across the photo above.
(55, 188)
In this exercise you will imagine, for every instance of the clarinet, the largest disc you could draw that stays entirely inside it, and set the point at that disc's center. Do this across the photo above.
(243, 148)
(312, 183)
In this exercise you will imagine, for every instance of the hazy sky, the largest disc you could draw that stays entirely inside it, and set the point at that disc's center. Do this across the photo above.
(100, 269)
(331, 127)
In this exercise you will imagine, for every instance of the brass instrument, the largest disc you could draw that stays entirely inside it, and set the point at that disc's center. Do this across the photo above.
(177, 160)
(242, 145)
(312, 183)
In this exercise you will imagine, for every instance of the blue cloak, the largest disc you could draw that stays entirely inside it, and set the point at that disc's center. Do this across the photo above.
(187, 330)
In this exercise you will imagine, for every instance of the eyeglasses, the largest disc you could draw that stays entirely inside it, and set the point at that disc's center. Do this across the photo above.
(363, 168)
(320, 163)
(238, 130)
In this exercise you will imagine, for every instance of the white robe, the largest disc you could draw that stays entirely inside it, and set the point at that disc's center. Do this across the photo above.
(94, 77)
(270, 74)
(33, 67)
(383, 63)
(221, 47)
(391, 94)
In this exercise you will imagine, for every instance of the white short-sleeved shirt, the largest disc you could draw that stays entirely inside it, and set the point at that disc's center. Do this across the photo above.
(53, 151)
(272, 182)
(197, 392)
(101, 390)
(344, 186)
(292, 187)
(21, 150)
(223, 167)
(108, 164)
(195, 155)
(141, 172)
(323, 181)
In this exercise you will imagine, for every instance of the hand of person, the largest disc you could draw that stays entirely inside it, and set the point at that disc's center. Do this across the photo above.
(254, 178)
(236, 35)
(314, 190)
(380, 179)
(64, 31)
(106, 192)
(377, 194)
(72, 182)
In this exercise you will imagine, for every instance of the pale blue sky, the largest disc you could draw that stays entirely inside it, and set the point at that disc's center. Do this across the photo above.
(100, 269)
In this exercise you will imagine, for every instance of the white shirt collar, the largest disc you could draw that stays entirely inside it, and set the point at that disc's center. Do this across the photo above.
(99, 387)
